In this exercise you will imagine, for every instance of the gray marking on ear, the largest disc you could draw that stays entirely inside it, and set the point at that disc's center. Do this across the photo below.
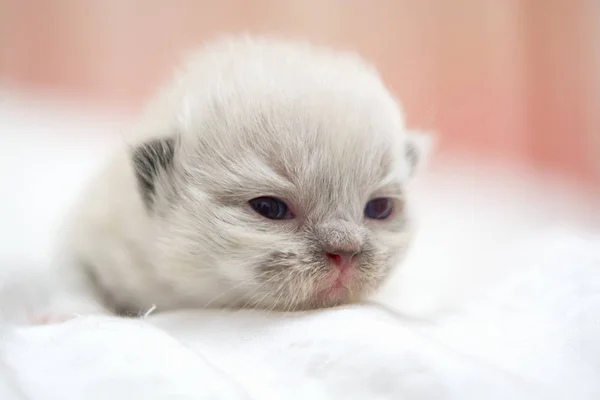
(412, 155)
(417, 149)
(151, 159)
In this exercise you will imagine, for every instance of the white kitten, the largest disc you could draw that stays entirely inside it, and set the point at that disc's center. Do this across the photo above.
(269, 174)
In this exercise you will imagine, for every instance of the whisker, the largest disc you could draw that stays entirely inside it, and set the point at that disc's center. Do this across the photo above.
(257, 292)
(260, 301)
(224, 293)
(276, 302)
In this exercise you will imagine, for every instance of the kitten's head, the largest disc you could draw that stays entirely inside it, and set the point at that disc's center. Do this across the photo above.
(282, 179)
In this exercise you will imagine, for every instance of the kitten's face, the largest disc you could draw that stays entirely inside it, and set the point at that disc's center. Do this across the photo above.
(283, 223)
(284, 190)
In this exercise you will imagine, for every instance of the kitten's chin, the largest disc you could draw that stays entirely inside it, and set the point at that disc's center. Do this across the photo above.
(334, 296)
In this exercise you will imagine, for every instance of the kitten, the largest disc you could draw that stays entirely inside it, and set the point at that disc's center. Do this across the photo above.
(270, 174)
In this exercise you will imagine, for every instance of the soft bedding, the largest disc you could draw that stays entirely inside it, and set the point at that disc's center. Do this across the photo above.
(533, 337)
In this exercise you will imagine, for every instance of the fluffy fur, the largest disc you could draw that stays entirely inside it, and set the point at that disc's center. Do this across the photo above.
(167, 223)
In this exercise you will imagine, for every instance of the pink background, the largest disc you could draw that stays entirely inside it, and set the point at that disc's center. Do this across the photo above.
(514, 80)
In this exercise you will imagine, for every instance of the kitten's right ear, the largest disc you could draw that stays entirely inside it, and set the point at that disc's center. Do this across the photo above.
(418, 148)
(151, 160)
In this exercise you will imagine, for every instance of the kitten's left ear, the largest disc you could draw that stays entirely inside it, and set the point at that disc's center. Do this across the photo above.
(417, 150)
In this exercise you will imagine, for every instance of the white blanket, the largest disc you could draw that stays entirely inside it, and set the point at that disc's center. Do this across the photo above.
(534, 337)
(489, 305)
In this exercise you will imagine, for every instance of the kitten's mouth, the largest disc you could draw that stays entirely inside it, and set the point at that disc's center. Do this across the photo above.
(334, 288)
(337, 291)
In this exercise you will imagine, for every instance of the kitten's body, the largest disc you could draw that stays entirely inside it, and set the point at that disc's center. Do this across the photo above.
(167, 223)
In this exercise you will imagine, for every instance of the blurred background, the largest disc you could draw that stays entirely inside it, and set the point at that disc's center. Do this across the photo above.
(515, 81)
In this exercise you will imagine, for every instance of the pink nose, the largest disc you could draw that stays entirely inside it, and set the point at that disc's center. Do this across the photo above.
(341, 259)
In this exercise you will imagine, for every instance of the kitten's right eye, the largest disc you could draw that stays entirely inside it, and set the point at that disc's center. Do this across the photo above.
(271, 208)
(379, 208)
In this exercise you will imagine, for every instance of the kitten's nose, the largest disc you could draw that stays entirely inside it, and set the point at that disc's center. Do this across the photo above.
(341, 259)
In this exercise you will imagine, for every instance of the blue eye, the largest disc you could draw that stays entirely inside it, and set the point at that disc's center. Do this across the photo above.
(380, 208)
(271, 208)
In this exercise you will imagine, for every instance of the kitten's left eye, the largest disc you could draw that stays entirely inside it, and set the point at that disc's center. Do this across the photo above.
(271, 208)
(380, 208)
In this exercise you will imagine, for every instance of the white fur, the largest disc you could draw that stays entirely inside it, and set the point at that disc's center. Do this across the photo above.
(249, 117)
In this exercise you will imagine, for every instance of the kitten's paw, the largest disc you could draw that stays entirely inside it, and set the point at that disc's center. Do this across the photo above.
(64, 311)
(51, 319)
